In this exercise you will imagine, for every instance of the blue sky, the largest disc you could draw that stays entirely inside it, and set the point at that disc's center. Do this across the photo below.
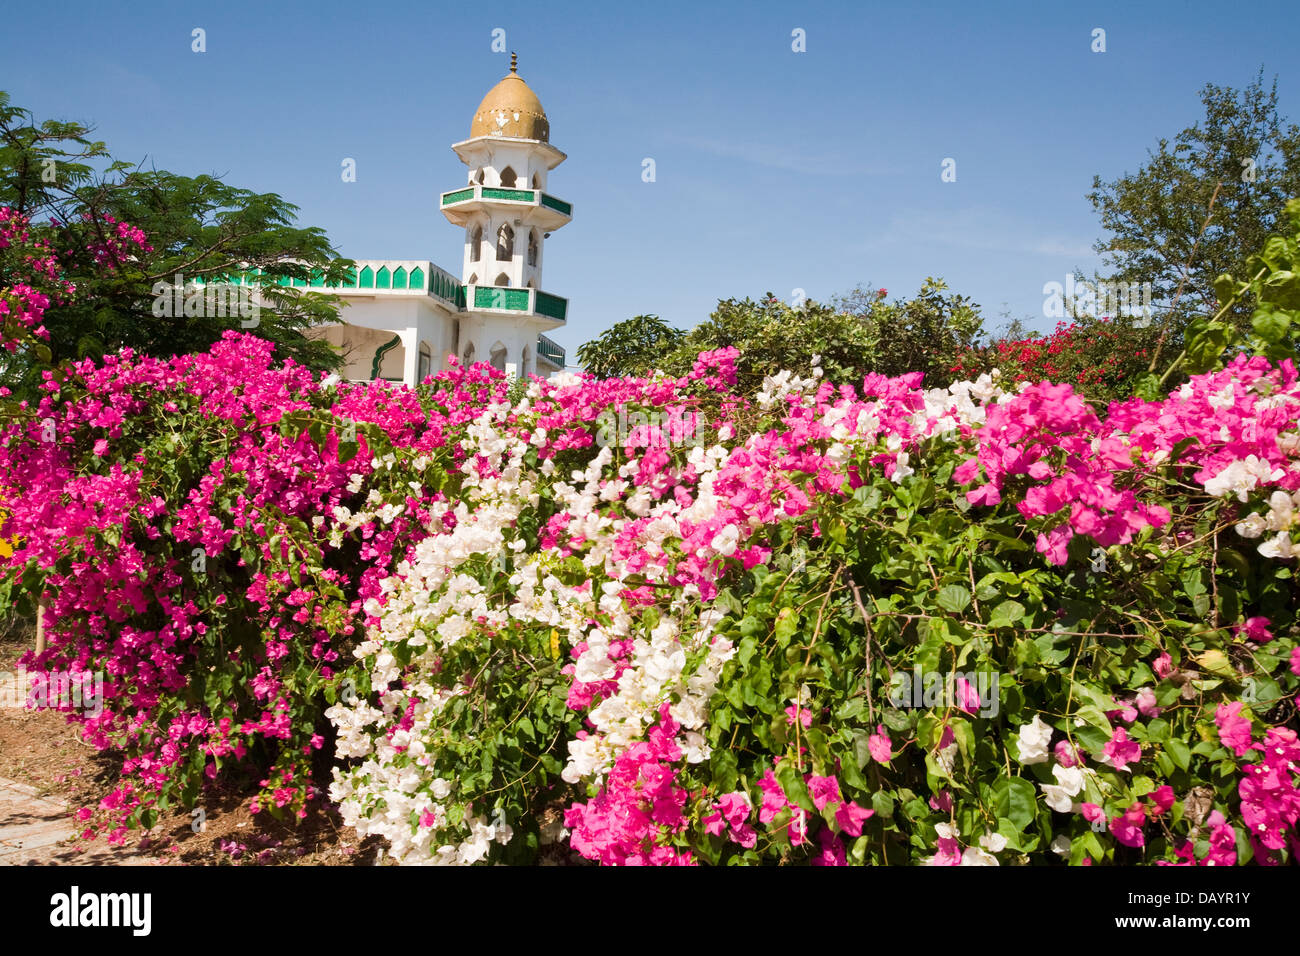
(775, 170)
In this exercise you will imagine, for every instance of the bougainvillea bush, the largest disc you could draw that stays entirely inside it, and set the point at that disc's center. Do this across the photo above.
(657, 621)
(1102, 358)
(966, 625)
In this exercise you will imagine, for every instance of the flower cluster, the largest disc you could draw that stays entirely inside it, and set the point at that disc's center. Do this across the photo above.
(518, 632)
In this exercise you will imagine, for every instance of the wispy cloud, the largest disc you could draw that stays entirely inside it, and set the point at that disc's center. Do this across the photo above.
(981, 228)
(782, 155)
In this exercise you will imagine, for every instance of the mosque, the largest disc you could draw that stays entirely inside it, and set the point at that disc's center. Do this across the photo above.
(403, 318)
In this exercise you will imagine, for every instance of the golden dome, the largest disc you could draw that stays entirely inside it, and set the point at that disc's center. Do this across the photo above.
(511, 109)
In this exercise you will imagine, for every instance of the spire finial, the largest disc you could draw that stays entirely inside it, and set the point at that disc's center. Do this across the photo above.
(514, 62)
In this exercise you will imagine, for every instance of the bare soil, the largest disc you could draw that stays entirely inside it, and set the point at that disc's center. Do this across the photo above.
(42, 752)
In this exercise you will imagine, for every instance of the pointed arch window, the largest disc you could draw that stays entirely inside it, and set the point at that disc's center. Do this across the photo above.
(475, 243)
(537, 181)
(502, 280)
(508, 177)
(505, 243)
(532, 248)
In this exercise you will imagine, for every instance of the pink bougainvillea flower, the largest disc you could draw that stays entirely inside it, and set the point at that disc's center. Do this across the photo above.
(1127, 827)
(851, 817)
(1255, 629)
(1234, 730)
(1162, 798)
(1146, 702)
(1120, 751)
(968, 698)
(1164, 666)
(824, 790)
(879, 745)
(802, 714)
(774, 800)
(1126, 713)
(1067, 754)
(832, 850)
(947, 850)
(735, 807)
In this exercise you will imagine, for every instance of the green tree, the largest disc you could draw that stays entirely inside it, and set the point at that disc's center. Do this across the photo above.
(923, 334)
(73, 190)
(631, 347)
(773, 335)
(858, 333)
(1201, 205)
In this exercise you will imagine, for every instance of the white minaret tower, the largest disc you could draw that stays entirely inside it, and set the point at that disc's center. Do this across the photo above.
(507, 215)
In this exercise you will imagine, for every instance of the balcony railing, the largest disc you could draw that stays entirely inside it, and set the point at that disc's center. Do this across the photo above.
(507, 299)
(527, 197)
(550, 351)
(393, 275)
(376, 276)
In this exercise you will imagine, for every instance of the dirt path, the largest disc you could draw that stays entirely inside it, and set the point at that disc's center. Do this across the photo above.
(38, 830)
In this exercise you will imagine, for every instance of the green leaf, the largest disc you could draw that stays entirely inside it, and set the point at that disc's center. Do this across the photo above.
(1015, 799)
(1006, 614)
(1179, 752)
(792, 783)
(1205, 344)
(954, 598)
(1271, 326)
(787, 622)
(861, 749)
(1225, 287)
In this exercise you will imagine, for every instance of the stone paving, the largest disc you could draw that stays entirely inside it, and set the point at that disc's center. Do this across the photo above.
(35, 830)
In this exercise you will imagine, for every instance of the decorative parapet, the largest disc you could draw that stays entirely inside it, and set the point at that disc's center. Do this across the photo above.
(490, 298)
(550, 351)
(372, 276)
(407, 276)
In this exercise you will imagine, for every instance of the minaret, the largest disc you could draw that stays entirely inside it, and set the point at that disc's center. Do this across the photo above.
(507, 215)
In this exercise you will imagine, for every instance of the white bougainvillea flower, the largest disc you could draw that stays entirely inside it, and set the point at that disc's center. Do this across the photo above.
(1035, 737)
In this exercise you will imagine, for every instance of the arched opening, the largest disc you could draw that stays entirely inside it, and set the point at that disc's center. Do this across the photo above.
(468, 357)
(425, 365)
(508, 177)
(477, 177)
(530, 284)
(537, 182)
(473, 278)
(505, 243)
(526, 366)
(498, 357)
(532, 248)
(502, 279)
(475, 243)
